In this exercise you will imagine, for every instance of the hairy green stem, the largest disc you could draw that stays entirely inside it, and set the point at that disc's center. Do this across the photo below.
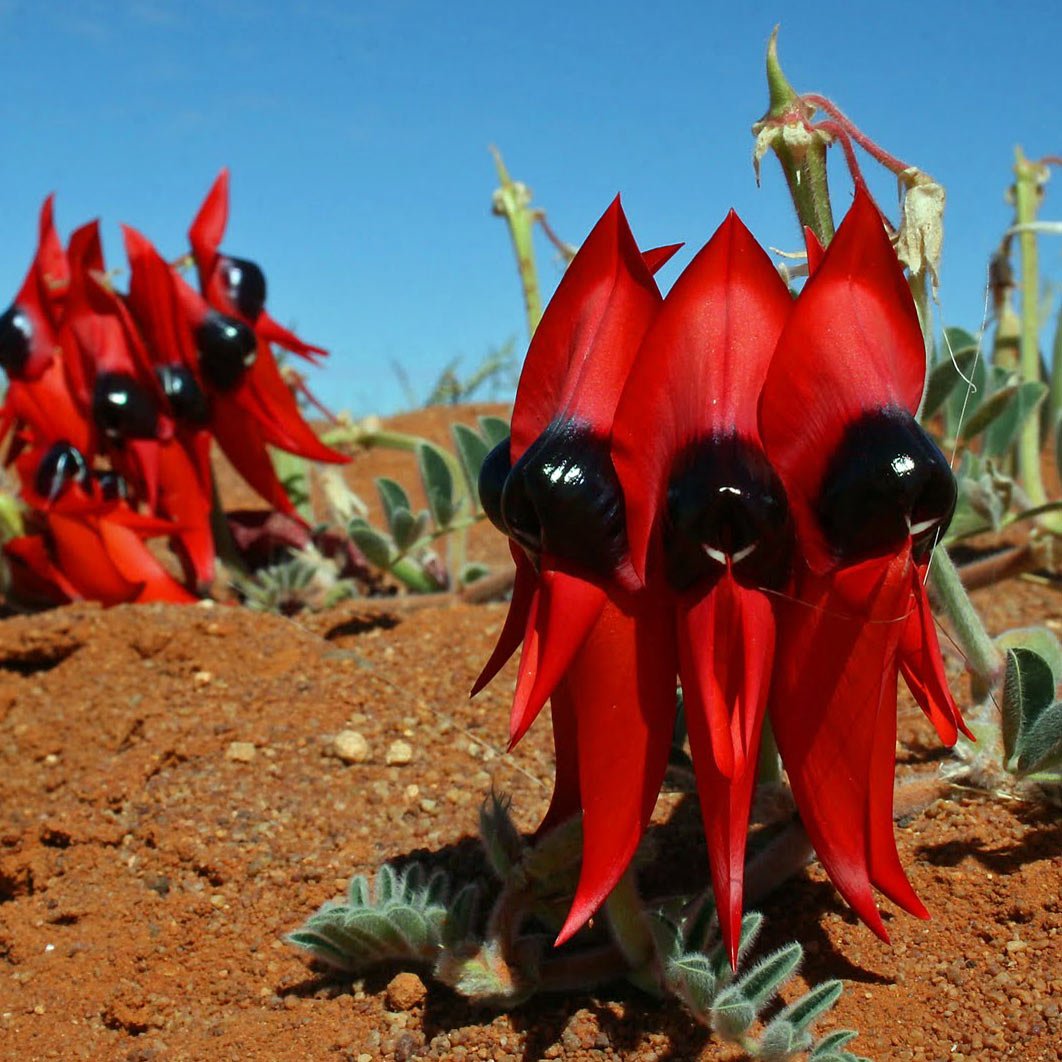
(804, 168)
(982, 656)
(630, 929)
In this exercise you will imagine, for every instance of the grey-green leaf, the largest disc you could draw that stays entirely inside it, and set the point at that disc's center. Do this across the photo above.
(769, 974)
(471, 449)
(408, 529)
(377, 547)
(1028, 690)
(494, 429)
(949, 374)
(732, 1014)
(392, 496)
(438, 483)
(1004, 430)
(1040, 746)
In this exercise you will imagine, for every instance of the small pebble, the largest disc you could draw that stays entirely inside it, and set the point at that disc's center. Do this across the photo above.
(405, 991)
(399, 753)
(351, 747)
(241, 751)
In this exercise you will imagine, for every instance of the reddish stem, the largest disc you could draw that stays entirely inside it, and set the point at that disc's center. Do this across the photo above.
(890, 162)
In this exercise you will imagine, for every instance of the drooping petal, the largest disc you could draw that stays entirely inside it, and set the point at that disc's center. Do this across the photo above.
(622, 686)
(588, 336)
(698, 372)
(726, 648)
(85, 561)
(129, 555)
(833, 709)
(33, 574)
(563, 611)
(512, 633)
(923, 669)
(566, 800)
(270, 331)
(237, 434)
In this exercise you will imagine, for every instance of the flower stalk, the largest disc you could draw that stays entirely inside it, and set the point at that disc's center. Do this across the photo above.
(512, 201)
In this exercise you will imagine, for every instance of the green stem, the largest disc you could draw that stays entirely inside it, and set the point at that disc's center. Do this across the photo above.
(512, 201)
(1029, 178)
(982, 656)
(805, 170)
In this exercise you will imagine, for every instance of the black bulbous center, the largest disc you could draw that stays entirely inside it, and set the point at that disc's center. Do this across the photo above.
(886, 482)
(112, 487)
(122, 408)
(726, 507)
(562, 497)
(61, 464)
(183, 393)
(227, 349)
(245, 285)
(16, 339)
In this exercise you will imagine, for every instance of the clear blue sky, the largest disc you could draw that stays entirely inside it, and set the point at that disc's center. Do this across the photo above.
(357, 136)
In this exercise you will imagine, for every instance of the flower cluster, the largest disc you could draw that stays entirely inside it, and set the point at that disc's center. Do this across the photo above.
(113, 402)
(728, 485)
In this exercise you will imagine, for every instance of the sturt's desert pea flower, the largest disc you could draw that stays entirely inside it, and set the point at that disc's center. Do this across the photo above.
(595, 642)
(236, 286)
(870, 493)
(708, 524)
(90, 543)
(234, 290)
(39, 404)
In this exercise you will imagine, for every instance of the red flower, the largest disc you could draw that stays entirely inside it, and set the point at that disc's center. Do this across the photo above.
(870, 493)
(39, 403)
(593, 641)
(90, 546)
(708, 523)
(256, 402)
(236, 286)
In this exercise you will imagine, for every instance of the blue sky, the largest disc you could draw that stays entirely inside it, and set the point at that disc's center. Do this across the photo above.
(357, 135)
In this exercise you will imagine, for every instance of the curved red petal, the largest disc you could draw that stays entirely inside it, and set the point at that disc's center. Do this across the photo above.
(726, 648)
(832, 698)
(280, 423)
(516, 619)
(566, 800)
(622, 685)
(269, 331)
(699, 370)
(922, 668)
(852, 344)
(186, 500)
(562, 614)
(37, 576)
(138, 564)
(86, 562)
(237, 433)
(588, 335)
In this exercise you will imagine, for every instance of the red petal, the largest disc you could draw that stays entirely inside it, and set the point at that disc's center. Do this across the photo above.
(588, 336)
(86, 562)
(833, 709)
(562, 613)
(34, 575)
(699, 370)
(815, 250)
(186, 500)
(516, 619)
(923, 669)
(658, 257)
(566, 800)
(726, 648)
(137, 564)
(269, 331)
(237, 433)
(208, 228)
(622, 686)
(852, 344)
(154, 301)
(266, 396)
